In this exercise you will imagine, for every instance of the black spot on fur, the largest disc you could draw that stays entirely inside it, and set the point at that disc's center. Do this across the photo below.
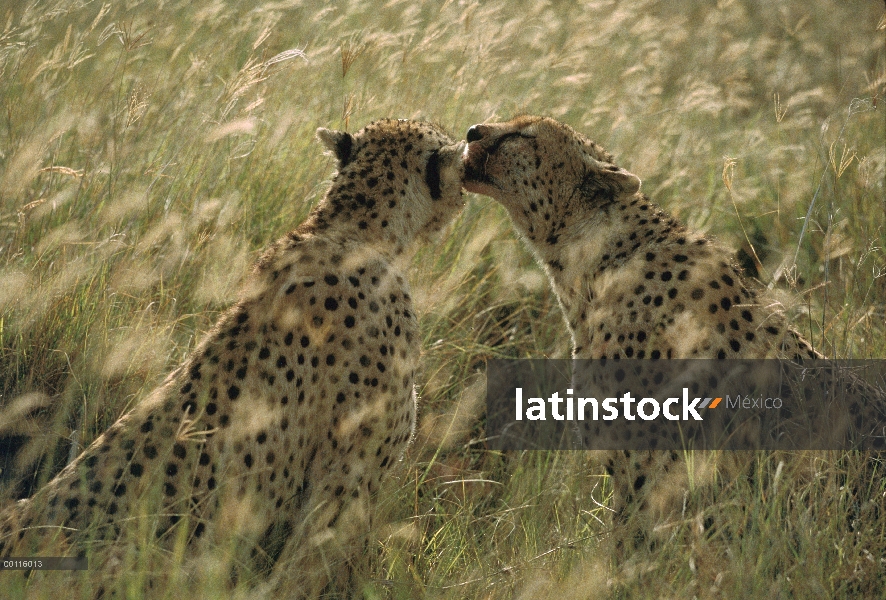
(432, 175)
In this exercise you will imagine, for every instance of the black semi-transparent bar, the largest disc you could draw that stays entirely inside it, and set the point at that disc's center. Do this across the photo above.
(686, 404)
(51, 563)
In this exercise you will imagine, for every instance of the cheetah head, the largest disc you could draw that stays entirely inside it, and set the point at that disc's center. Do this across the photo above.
(543, 172)
(398, 179)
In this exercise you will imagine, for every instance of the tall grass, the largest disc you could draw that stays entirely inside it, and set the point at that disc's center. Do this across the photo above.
(149, 150)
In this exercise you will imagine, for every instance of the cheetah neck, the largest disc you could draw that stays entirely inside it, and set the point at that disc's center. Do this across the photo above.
(368, 223)
(603, 245)
(634, 282)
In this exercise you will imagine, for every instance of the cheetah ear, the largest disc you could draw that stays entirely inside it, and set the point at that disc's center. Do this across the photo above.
(339, 143)
(605, 181)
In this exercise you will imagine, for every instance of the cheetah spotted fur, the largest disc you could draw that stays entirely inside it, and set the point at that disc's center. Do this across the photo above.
(632, 282)
(295, 405)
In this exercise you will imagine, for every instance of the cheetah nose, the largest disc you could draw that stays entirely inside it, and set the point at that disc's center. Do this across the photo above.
(475, 133)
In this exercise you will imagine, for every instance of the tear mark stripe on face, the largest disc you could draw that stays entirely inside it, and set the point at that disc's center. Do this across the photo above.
(432, 175)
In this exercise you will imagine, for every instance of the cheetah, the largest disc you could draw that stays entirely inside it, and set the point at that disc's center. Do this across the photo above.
(279, 427)
(632, 282)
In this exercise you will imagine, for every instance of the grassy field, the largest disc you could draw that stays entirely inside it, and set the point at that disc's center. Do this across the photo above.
(149, 150)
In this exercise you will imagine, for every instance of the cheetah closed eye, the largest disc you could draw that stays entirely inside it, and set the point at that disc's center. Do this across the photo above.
(279, 426)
